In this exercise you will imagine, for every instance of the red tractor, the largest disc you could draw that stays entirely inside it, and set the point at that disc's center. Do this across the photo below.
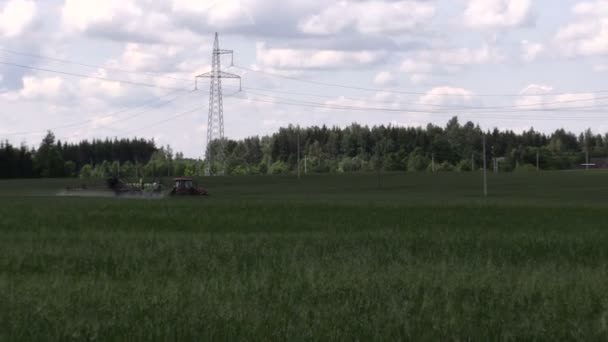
(186, 187)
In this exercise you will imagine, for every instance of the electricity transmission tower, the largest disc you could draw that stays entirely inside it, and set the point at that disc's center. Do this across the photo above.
(215, 121)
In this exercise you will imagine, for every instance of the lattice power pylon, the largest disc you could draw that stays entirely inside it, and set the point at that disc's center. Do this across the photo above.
(215, 121)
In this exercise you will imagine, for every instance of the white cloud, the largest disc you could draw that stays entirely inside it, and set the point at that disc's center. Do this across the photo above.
(414, 66)
(588, 35)
(534, 96)
(594, 8)
(283, 58)
(539, 96)
(368, 17)
(530, 50)
(424, 64)
(447, 96)
(469, 56)
(35, 88)
(385, 78)
(16, 16)
(575, 100)
(220, 14)
(118, 20)
(600, 67)
(81, 14)
(498, 13)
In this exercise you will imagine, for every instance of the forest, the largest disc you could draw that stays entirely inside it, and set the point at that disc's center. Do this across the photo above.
(356, 148)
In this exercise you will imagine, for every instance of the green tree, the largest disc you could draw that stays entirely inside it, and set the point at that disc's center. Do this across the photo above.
(70, 169)
(278, 168)
(86, 171)
(48, 158)
(417, 161)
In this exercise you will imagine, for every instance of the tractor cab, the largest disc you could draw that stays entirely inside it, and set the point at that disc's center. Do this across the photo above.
(187, 187)
(183, 183)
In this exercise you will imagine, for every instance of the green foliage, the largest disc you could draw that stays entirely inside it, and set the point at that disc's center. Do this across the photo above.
(86, 171)
(263, 168)
(239, 170)
(69, 169)
(351, 149)
(48, 158)
(351, 164)
(463, 166)
(444, 167)
(417, 161)
(127, 169)
(278, 168)
(526, 168)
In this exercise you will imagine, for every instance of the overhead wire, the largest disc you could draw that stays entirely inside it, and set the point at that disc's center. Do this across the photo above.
(452, 107)
(475, 110)
(174, 116)
(66, 61)
(328, 84)
(149, 85)
(110, 115)
(404, 111)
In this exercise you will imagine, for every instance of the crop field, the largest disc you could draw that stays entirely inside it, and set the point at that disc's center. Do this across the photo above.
(421, 257)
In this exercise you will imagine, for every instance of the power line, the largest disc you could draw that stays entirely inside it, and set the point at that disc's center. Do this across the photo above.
(91, 77)
(174, 116)
(429, 111)
(407, 92)
(405, 111)
(165, 120)
(85, 122)
(452, 107)
(65, 61)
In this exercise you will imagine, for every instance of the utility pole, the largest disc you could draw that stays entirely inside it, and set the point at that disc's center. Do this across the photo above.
(586, 153)
(537, 160)
(305, 168)
(472, 161)
(215, 120)
(485, 176)
(433, 162)
(298, 152)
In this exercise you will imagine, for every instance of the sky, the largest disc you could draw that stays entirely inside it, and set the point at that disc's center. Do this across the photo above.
(123, 68)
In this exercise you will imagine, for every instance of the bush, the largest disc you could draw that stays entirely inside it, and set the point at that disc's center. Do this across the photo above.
(278, 168)
(86, 171)
(463, 166)
(417, 163)
(526, 168)
(239, 170)
(350, 164)
(444, 167)
(70, 168)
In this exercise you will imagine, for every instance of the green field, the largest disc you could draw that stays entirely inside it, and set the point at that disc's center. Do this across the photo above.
(421, 257)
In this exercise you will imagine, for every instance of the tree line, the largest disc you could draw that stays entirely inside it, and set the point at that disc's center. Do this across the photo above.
(356, 148)
(54, 158)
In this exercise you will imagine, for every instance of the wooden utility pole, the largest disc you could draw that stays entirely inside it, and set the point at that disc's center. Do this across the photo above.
(586, 153)
(472, 161)
(537, 160)
(485, 176)
(433, 162)
(298, 152)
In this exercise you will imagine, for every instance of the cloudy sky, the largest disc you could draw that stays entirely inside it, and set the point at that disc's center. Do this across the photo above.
(122, 68)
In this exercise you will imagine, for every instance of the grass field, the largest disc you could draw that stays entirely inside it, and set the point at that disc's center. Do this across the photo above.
(420, 257)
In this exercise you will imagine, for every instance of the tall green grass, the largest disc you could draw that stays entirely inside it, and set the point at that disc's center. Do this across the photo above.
(422, 257)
